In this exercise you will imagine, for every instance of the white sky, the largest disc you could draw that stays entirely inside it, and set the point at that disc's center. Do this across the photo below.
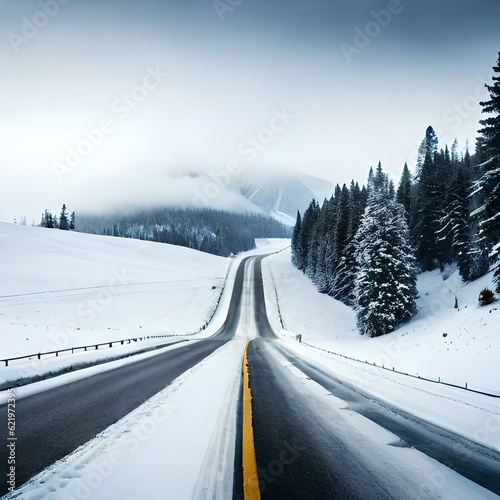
(226, 80)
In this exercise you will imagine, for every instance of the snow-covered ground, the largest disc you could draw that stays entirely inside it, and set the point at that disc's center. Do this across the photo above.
(468, 354)
(65, 287)
(59, 284)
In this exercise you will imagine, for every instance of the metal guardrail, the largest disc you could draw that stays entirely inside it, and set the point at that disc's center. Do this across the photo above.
(437, 380)
(95, 347)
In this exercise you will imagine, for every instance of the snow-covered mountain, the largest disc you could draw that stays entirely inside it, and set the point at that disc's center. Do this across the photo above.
(279, 194)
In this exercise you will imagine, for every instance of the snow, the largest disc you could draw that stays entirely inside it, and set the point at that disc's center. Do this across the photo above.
(180, 443)
(53, 278)
(468, 354)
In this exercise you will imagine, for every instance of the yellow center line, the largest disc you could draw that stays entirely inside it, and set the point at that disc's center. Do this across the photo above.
(250, 476)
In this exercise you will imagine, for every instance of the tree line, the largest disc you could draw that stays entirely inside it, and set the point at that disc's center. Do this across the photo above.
(64, 222)
(212, 231)
(365, 245)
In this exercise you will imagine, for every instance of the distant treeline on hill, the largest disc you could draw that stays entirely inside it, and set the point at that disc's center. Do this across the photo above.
(212, 231)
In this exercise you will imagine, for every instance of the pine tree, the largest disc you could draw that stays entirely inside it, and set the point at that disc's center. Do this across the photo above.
(385, 284)
(308, 222)
(72, 221)
(343, 279)
(63, 219)
(295, 245)
(313, 247)
(425, 216)
(49, 220)
(319, 277)
(428, 146)
(403, 194)
(456, 221)
(339, 238)
(343, 217)
(489, 152)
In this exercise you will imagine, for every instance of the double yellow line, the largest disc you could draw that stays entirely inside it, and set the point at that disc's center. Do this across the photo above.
(250, 476)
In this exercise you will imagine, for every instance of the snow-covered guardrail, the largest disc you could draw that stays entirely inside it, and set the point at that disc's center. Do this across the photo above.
(85, 348)
(437, 380)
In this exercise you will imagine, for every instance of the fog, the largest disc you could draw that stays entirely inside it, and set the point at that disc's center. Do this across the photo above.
(110, 102)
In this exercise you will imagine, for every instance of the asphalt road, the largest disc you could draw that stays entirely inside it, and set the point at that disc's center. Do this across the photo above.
(52, 424)
(300, 455)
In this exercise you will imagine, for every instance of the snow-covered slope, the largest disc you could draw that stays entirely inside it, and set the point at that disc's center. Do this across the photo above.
(282, 195)
(62, 289)
(457, 345)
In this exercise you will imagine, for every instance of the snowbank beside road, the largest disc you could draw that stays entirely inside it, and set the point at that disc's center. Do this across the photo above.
(457, 345)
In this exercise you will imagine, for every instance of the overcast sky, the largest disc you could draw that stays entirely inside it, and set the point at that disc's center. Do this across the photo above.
(99, 97)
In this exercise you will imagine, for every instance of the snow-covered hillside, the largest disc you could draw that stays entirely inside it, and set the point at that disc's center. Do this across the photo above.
(458, 345)
(63, 289)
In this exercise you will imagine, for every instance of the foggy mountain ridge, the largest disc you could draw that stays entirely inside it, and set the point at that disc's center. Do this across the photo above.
(278, 195)
(275, 194)
(282, 197)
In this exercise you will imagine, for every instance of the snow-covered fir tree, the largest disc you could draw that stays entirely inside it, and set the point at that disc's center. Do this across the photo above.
(488, 149)
(403, 194)
(305, 242)
(63, 219)
(385, 283)
(295, 244)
